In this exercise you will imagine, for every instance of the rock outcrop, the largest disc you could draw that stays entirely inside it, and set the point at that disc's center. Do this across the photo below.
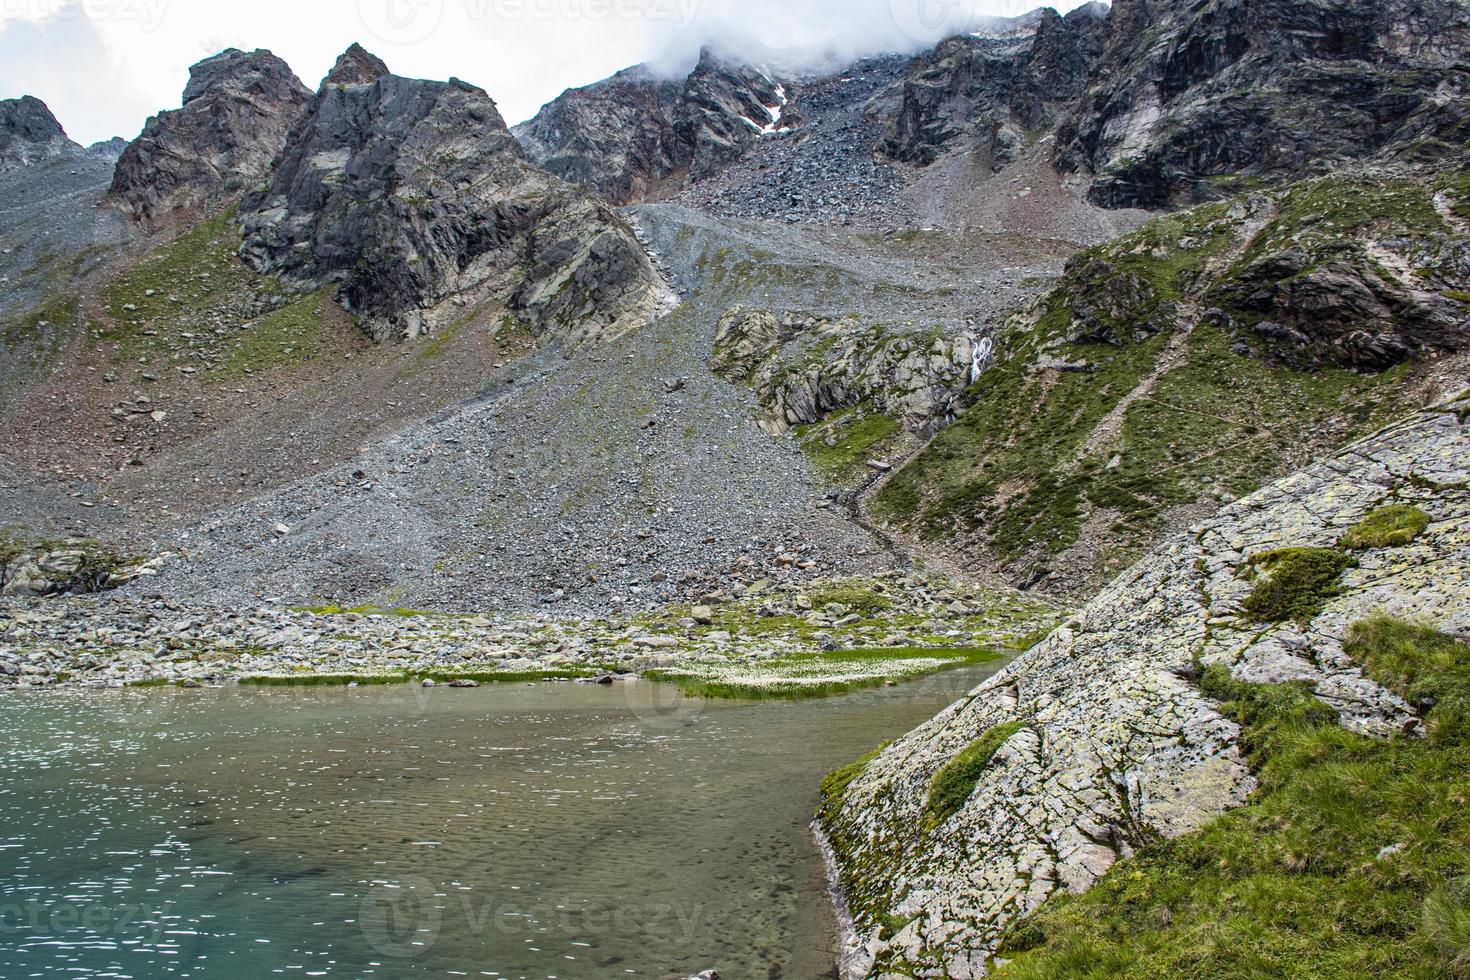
(999, 88)
(108, 149)
(29, 134)
(804, 367)
(615, 137)
(237, 110)
(414, 198)
(72, 567)
(1191, 97)
(1100, 740)
(627, 136)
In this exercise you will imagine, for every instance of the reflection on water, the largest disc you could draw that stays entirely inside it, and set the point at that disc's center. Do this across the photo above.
(536, 831)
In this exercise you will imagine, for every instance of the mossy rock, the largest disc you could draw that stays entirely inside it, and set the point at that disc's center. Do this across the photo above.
(1294, 583)
(1388, 527)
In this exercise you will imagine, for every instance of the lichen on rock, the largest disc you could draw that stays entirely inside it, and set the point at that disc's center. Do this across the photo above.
(1121, 747)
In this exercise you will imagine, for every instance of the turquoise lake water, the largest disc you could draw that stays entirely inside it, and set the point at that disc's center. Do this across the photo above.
(528, 831)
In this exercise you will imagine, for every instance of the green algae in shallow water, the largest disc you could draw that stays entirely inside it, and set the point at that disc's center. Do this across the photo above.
(1388, 527)
(1351, 860)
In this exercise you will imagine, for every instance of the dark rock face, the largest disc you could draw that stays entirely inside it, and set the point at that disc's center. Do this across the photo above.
(29, 133)
(997, 87)
(724, 109)
(416, 200)
(615, 137)
(356, 66)
(237, 111)
(624, 136)
(1187, 97)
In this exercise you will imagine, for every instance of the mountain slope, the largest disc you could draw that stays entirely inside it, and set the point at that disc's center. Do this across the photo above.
(1100, 741)
(1188, 362)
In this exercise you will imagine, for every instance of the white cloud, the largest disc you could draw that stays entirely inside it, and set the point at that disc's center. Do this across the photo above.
(104, 65)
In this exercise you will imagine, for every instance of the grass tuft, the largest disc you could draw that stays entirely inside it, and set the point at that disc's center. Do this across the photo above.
(1388, 527)
(1294, 583)
(954, 783)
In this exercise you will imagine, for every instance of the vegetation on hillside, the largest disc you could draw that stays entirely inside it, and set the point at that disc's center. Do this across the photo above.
(1149, 386)
(1352, 859)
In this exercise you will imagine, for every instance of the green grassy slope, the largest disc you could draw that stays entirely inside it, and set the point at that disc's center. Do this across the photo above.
(1141, 389)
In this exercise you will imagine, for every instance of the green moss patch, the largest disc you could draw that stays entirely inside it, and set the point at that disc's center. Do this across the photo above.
(1351, 860)
(856, 438)
(1388, 527)
(284, 338)
(955, 782)
(835, 786)
(1294, 583)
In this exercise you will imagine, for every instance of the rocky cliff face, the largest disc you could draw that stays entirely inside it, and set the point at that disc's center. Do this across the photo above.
(803, 368)
(1098, 741)
(1189, 96)
(616, 137)
(1000, 88)
(29, 133)
(624, 136)
(416, 200)
(237, 111)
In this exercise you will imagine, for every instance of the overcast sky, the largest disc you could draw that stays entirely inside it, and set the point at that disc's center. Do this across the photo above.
(104, 66)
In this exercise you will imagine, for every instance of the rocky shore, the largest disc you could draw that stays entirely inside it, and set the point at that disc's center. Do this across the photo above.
(1099, 741)
(839, 631)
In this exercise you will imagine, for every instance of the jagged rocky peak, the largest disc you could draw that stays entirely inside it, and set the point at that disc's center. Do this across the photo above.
(238, 108)
(615, 137)
(108, 149)
(29, 133)
(356, 66)
(996, 88)
(628, 135)
(725, 107)
(1189, 98)
(414, 200)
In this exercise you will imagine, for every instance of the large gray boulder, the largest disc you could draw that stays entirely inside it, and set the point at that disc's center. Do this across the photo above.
(414, 200)
(238, 109)
(29, 134)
